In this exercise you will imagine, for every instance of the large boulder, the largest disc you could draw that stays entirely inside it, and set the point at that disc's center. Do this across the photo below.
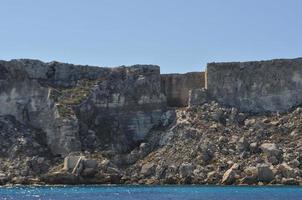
(148, 169)
(80, 165)
(264, 173)
(286, 171)
(272, 152)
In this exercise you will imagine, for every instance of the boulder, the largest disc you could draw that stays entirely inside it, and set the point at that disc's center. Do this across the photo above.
(185, 170)
(250, 180)
(272, 152)
(286, 171)
(270, 149)
(290, 181)
(90, 163)
(212, 177)
(88, 172)
(264, 173)
(148, 169)
(229, 177)
(70, 162)
(254, 147)
(79, 165)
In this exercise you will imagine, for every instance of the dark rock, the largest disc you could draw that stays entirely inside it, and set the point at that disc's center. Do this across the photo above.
(265, 173)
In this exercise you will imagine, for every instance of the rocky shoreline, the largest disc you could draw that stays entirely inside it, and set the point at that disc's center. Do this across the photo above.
(208, 144)
(236, 124)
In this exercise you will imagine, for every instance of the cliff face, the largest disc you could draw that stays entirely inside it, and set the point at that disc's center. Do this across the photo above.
(117, 125)
(265, 86)
(80, 106)
(121, 109)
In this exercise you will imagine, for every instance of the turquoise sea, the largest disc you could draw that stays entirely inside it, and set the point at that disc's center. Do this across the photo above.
(151, 193)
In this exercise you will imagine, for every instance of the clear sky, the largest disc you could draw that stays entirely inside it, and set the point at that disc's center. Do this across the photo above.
(178, 35)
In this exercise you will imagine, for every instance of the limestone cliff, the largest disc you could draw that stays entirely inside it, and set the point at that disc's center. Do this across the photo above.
(81, 107)
(238, 123)
(262, 86)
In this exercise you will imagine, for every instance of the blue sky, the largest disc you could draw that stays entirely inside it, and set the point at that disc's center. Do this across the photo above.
(178, 35)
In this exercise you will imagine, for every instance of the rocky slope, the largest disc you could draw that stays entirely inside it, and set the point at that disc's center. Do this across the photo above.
(210, 144)
(206, 144)
(71, 124)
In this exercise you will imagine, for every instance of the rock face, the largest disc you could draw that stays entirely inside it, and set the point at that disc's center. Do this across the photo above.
(265, 86)
(77, 106)
(113, 125)
(177, 86)
(23, 150)
(198, 97)
(122, 108)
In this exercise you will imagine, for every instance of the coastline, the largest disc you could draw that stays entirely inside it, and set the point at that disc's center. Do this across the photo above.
(68, 124)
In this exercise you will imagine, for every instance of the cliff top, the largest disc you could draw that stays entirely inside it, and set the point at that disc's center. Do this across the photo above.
(252, 63)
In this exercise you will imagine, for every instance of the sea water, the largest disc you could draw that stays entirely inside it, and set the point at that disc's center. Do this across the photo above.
(151, 193)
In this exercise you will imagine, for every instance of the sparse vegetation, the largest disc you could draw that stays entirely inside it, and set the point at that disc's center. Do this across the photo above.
(66, 98)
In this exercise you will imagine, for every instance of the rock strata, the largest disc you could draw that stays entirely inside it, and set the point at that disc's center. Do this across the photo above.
(71, 124)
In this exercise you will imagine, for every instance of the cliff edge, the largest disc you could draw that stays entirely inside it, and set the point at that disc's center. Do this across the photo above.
(236, 123)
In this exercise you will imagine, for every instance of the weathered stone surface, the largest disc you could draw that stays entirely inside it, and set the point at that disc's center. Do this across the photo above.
(274, 85)
(126, 102)
(148, 169)
(26, 94)
(229, 177)
(177, 86)
(185, 170)
(272, 152)
(198, 97)
(287, 171)
(270, 149)
(118, 121)
(70, 162)
(265, 173)
(123, 107)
